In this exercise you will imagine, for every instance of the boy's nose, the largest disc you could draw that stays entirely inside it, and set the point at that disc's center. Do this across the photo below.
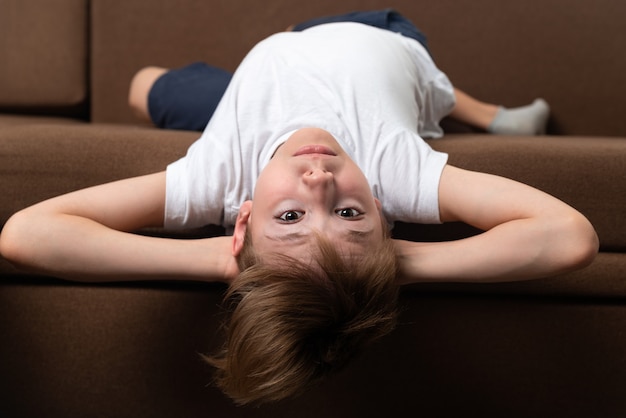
(317, 177)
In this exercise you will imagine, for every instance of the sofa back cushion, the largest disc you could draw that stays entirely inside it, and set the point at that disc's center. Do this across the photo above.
(44, 56)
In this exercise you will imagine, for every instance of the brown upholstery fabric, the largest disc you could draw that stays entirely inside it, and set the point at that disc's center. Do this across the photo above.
(43, 45)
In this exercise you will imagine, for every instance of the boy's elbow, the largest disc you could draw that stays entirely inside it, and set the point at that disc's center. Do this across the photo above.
(583, 245)
(13, 237)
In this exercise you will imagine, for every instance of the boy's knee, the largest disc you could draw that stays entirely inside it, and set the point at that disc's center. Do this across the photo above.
(140, 87)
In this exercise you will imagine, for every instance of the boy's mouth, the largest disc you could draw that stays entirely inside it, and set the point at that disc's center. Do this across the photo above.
(314, 149)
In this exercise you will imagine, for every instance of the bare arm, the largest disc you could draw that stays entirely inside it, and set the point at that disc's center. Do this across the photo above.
(85, 235)
(529, 234)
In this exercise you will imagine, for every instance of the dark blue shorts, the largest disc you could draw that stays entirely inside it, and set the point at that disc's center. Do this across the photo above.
(187, 97)
(384, 19)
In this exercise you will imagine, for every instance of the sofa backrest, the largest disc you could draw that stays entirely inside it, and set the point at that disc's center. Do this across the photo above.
(505, 51)
(44, 57)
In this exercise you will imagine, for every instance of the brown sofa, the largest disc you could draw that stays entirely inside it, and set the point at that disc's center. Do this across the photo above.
(548, 348)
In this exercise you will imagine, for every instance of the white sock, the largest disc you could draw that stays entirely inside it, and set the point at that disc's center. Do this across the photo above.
(525, 120)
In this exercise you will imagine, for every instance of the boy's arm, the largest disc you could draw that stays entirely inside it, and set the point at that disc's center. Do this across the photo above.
(85, 235)
(529, 234)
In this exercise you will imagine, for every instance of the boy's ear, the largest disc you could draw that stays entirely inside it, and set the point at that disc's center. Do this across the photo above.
(241, 226)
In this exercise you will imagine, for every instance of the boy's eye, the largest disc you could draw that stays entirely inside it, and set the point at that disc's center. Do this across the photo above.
(347, 212)
(290, 216)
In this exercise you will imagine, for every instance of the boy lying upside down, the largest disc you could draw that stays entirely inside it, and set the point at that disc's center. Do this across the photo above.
(314, 149)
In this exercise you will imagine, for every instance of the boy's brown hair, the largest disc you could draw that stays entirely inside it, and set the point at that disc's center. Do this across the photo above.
(291, 324)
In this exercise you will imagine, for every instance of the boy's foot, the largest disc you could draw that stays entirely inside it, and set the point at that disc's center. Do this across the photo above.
(525, 120)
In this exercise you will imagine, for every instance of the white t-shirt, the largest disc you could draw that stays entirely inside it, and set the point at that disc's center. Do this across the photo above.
(377, 92)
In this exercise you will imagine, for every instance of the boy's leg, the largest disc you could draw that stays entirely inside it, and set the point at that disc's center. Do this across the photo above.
(183, 98)
(525, 120)
(140, 87)
(472, 111)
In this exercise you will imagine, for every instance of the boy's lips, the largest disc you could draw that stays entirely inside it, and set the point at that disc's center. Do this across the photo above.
(314, 149)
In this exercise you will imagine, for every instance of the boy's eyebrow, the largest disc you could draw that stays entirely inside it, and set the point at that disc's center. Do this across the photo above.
(358, 237)
(351, 235)
(292, 237)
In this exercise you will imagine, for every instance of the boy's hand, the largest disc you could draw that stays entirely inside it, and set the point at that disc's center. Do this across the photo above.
(221, 264)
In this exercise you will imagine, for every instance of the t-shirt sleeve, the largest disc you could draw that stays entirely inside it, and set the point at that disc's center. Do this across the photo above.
(196, 186)
(439, 102)
(408, 180)
(435, 93)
